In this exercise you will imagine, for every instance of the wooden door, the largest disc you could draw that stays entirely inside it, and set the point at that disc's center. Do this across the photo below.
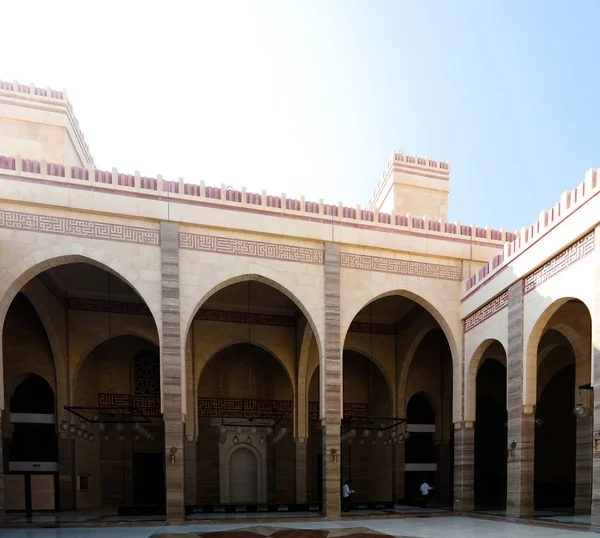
(42, 492)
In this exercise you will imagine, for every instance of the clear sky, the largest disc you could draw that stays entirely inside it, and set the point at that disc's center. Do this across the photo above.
(311, 97)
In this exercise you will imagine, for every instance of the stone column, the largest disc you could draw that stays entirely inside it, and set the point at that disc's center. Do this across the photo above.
(583, 465)
(66, 472)
(191, 471)
(464, 466)
(521, 421)
(1, 456)
(596, 384)
(171, 370)
(400, 479)
(301, 472)
(331, 384)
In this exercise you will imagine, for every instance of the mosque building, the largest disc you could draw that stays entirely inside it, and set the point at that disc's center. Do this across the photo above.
(178, 348)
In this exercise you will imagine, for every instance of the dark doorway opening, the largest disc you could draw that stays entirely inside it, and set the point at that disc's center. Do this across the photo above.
(148, 476)
(490, 437)
(555, 444)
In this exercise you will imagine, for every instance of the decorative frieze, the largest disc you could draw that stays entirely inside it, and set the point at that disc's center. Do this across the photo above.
(148, 405)
(237, 407)
(400, 267)
(561, 261)
(254, 249)
(493, 307)
(32, 222)
(225, 316)
(114, 307)
(372, 328)
(222, 316)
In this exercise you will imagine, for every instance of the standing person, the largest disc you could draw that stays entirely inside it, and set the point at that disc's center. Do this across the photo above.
(425, 489)
(346, 492)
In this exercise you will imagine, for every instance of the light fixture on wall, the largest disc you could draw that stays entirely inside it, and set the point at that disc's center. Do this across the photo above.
(581, 410)
(173, 452)
(511, 450)
(334, 455)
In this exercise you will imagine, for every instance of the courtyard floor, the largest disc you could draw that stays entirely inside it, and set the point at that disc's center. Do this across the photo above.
(421, 527)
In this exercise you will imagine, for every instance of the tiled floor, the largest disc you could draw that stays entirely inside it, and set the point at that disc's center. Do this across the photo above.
(421, 527)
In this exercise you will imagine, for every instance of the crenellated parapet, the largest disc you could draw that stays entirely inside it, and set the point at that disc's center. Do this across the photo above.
(228, 198)
(413, 164)
(44, 103)
(413, 183)
(522, 240)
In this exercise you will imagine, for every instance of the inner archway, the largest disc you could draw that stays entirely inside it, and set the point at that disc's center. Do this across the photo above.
(59, 328)
(491, 432)
(246, 451)
(367, 454)
(407, 347)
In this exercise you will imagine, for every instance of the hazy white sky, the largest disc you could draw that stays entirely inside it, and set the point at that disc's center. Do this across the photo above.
(312, 96)
(236, 92)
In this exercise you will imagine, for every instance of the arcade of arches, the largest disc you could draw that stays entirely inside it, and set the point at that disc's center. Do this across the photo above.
(83, 426)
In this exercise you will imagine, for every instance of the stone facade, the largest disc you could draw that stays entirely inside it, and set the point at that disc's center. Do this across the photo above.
(254, 303)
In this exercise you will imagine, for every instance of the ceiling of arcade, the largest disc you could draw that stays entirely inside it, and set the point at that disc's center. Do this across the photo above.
(86, 282)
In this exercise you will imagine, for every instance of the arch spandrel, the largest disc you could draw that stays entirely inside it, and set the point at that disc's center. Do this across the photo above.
(304, 289)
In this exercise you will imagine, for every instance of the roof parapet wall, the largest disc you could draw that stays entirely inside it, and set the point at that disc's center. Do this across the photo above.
(413, 164)
(227, 198)
(48, 96)
(527, 236)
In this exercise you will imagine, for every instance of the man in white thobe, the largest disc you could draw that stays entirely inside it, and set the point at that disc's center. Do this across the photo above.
(346, 492)
(425, 489)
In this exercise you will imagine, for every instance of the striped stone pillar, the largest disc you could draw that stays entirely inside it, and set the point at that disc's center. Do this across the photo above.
(1, 460)
(583, 465)
(464, 466)
(191, 471)
(301, 471)
(331, 383)
(171, 371)
(596, 384)
(521, 421)
(66, 472)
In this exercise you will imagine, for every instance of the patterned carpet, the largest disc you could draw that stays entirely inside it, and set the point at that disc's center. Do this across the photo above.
(278, 532)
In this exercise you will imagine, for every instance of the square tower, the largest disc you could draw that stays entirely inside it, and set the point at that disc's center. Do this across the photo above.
(414, 185)
(39, 123)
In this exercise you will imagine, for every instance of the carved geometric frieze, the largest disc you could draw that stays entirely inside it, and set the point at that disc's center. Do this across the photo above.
(208, 314)
(486, 312)
(245, 247)
(89, 229)
(560, 262)
(400, 267)
(266, 409)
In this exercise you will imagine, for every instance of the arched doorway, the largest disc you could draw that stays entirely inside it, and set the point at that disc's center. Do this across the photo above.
(245, 401)
(559, 360)
(60, 327)
(367, 454)
(32, 479)
(413, 355)
(243, 482)
(556, 425)
(491, 432)
(126, 453)
(420, 454)
(246, 347)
